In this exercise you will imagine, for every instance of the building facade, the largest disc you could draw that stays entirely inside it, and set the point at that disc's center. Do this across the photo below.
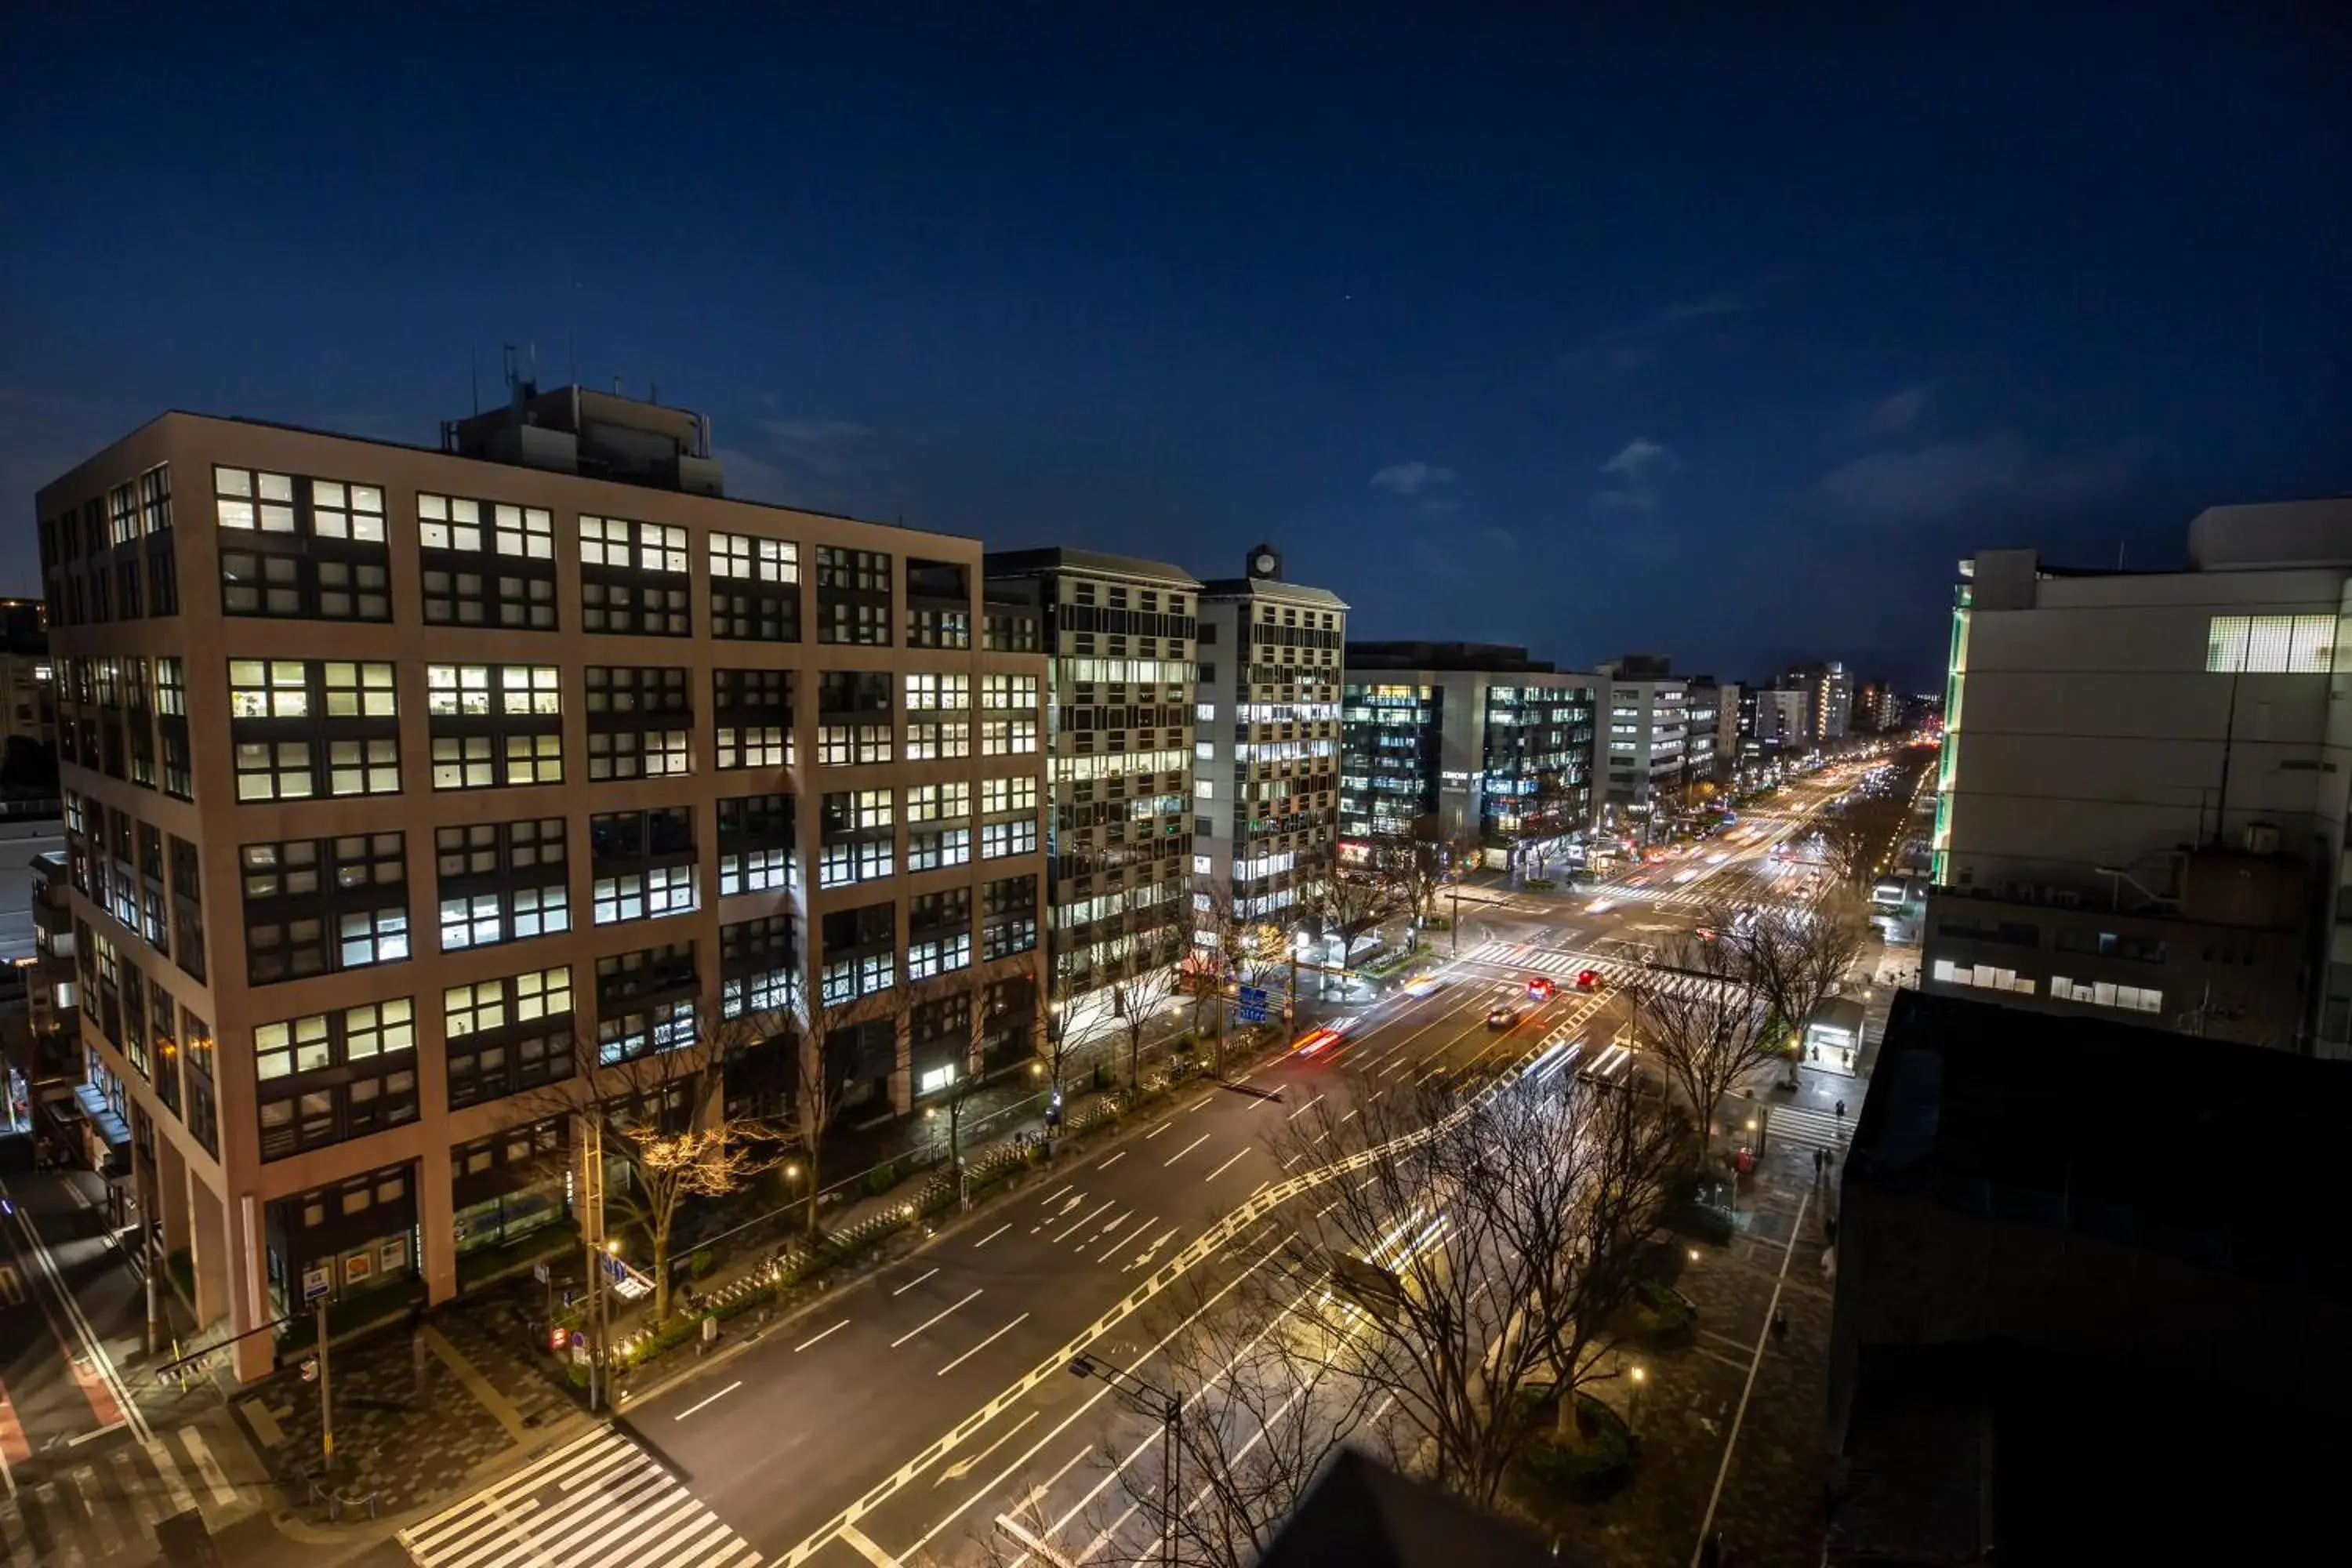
(1477, 740)
(1827, 693)
(1641, 758)
(1121, 634)
(1266, 797)
(2142, 793)
(390, 773)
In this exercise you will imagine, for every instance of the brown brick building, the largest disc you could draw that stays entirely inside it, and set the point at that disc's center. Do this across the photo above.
(389, 770)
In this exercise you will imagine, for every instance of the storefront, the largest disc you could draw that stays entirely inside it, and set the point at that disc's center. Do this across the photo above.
(350, 1237)
(508, 1186)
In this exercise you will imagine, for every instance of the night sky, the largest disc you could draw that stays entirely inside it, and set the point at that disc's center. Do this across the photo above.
(1724, 343)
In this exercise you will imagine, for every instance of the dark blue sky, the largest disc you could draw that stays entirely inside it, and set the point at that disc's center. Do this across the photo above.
(1651, 335)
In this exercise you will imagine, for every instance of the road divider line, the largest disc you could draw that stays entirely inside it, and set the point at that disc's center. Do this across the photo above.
(710, 1401)
(918, 1279)
(1187, 1149)
(1227, 1166)
(827, 1334)
(992, 1234)
(1114, 1160)
(937, 1316)
(982, 1345)
(1305, 1108)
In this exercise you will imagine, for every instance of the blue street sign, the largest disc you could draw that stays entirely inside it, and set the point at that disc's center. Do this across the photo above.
(1252, 995)
(1250, 1014)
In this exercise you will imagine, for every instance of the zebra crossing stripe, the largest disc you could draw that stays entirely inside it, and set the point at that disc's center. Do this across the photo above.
(168, 1470)
(599, 1500)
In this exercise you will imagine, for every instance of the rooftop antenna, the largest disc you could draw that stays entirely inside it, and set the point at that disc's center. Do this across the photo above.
(572, 357)
(473, 373)
(653, 390)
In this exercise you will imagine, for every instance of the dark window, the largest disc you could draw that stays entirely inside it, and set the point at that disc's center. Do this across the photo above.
(485, 563)
(293, 547)
(330, 1077)
(313, 906)
(634, 578)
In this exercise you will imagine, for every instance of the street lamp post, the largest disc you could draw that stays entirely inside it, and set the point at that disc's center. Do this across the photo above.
(1171, 1431)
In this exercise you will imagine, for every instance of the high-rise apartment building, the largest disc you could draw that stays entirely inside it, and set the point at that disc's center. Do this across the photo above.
(391, 772)
(1474, 739)
(1267, 812)
(1828, 693)
(2141, 801)
(1640, 744)
(1119, 635)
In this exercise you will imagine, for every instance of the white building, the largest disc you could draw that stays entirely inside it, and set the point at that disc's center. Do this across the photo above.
(1267, 763)
(1640, 731)
(2142, 795)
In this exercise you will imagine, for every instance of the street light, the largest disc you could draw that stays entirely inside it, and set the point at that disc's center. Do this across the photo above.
(1171, 1429)
(1640, 1376)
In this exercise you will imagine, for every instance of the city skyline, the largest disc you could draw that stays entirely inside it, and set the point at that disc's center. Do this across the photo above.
(1093, 305)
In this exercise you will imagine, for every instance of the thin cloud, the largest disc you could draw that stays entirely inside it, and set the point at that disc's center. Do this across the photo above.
(1638, 468)
(1411, 478)
(1948, 480)
(1640, 344)
(1895, 414)
(822, 447)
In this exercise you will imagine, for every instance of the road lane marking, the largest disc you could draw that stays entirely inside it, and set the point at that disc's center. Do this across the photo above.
(981, 1346)
(918, 1279)
(863, 1546)
(1304, 1109)
(835, 1329)
(918, 1328)
(1080, 1223)
(1057, 1192)
(1158, 1131)
(712, 1400)
(992, 1234)
(1114, 1160)
(963, 1468)
(1187, 1149)
(1227, 1166)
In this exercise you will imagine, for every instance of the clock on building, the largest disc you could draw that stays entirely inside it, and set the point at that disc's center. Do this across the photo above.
(1265, 561)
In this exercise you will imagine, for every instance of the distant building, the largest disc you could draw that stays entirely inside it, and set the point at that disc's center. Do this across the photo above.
(1877, 708)
(1119, 635)
(1641, 743)
(2140, 804)
(1266, 816)
(1828, 695)
(1714, 737)
(1476, 738)
(27, 690)
(2042, 1221)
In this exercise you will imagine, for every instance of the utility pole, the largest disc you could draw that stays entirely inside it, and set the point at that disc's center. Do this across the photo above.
(151, 1228)
(591, 1242)
(326, 1400)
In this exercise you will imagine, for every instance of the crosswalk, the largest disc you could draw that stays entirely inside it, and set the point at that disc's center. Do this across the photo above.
(1798, 1127)
(1568, 965)
(599, 1501)
(101, 1504)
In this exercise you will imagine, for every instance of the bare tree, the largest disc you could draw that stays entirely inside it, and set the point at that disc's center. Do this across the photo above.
(1699, 1016)
(1414, 864)
(650, 1109)
(1476, 1258)
(827, 1076)
(1148, 978)
(1352, 907)
(1543, 818)
(1263, 1411)
(1795, 958)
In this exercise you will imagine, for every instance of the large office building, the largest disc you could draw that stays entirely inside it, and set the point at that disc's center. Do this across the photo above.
(2141, 800)
(1640, 753)
(1266, 813)
(1120, 636)
(1477, 740)
(1827, 692)
(391, 772)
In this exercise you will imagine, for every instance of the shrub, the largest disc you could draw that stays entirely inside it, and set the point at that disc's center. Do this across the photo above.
(1597, 1466)
(701, 1262)
(882, 1178)
(1662, 1314)
(1540, 884)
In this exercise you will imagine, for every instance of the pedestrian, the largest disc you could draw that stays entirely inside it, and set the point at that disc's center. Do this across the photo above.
(1817, 1164)
(1828, 1229)
(1779, 1325)
(1710, 1550)
(1841, 1110)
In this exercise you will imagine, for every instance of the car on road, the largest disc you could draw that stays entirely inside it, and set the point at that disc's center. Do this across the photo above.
(1587, 980)
(1504, 1015)
(1541, 988)
(1423, 985)
(1321, 1038)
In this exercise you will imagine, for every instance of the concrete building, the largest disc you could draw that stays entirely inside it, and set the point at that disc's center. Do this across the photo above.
(1266, 812)
(1828, 693)
(391, 772)
(28, 693)
(1641, 743)
(2141, 799)
(1877, 708)
(1121, 634)
(1476, 738)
